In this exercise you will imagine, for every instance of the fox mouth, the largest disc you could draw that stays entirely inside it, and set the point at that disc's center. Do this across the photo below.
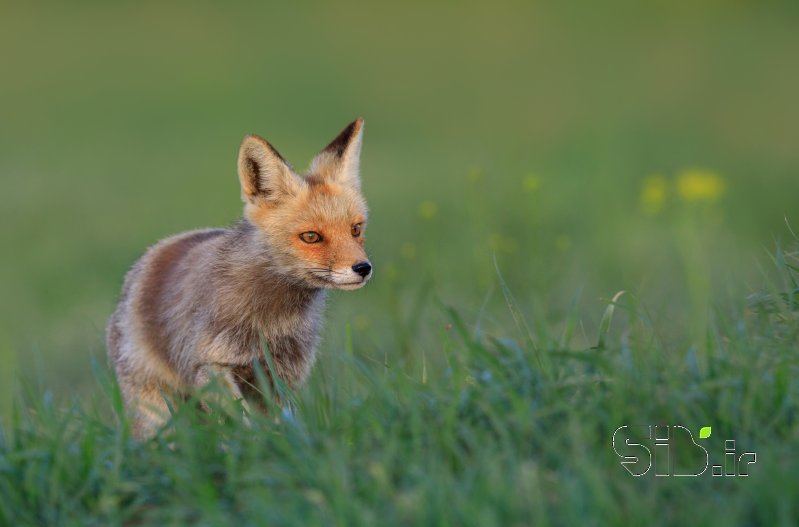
(350, 285)
(328, 278)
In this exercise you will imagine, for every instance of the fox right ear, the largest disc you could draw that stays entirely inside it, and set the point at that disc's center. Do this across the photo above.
(340, 160)
(263, 172)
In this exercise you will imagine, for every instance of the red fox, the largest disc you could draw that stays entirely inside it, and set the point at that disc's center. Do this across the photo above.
(196, 304)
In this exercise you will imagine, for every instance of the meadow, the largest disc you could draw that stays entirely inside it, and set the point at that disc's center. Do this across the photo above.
(581, 219)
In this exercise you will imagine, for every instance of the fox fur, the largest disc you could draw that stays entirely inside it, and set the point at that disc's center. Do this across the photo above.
(196, 304)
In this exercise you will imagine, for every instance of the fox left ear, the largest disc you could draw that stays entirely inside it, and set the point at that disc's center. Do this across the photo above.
(263, 173)
(340, 160)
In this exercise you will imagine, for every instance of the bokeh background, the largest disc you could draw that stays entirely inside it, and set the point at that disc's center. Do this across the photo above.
(578, 149)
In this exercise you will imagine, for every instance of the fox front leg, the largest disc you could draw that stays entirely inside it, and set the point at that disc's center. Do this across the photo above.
(225, 379)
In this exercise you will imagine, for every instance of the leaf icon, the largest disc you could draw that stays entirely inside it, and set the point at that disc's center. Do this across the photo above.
(704, 432)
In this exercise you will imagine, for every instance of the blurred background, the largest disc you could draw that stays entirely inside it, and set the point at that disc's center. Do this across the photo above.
(578, 149)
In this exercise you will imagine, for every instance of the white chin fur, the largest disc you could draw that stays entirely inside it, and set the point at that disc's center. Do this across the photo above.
(347, 279)
(350, 287)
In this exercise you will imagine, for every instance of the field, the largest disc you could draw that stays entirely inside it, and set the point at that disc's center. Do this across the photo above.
(581, 219)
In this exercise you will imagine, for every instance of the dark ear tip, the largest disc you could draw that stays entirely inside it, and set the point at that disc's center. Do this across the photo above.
(343, 139)
(253, 143)
(353, 128)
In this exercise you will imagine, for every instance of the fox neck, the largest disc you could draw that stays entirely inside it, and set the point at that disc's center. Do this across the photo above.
(264, 293)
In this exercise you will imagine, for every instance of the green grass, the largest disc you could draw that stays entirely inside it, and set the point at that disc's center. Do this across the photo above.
(485, 429)
(523, 164)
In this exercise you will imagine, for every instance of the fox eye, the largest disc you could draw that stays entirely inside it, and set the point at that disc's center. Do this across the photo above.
(356, 230)
(311, 237)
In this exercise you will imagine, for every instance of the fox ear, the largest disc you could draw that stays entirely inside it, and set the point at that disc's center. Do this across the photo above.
(340, 160)
(263, 172)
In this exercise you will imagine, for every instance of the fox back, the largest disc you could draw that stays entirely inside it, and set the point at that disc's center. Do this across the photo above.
(196, 305)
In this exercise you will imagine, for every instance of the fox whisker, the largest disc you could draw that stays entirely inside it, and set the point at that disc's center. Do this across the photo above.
(324, 270)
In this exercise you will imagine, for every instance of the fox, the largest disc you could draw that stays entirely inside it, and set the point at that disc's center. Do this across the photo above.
(196, 305)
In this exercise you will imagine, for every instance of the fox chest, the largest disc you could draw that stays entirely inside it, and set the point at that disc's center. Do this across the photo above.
(291, 342)
(289, 335)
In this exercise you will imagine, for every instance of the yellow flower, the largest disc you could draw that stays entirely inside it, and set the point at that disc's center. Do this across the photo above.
(653, 194)
(700, 185)
(563, 243)
(531, 183)
(474, 175)
(428, 210)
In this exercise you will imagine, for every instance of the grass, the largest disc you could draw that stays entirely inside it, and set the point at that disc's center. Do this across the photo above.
(490, 430)
(524, 164)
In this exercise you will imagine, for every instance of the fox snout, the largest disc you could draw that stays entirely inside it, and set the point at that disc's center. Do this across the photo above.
(363, 268)
(350, 278)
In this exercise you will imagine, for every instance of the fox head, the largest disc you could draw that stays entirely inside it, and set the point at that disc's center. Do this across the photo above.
(314, 224)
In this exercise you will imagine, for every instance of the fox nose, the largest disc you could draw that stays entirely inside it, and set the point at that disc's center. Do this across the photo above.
(363, 269)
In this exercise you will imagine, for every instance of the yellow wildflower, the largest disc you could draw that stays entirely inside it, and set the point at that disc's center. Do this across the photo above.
(531, 183)
(428, 210)
(700, 185)
(653, 194)
(474, 175)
